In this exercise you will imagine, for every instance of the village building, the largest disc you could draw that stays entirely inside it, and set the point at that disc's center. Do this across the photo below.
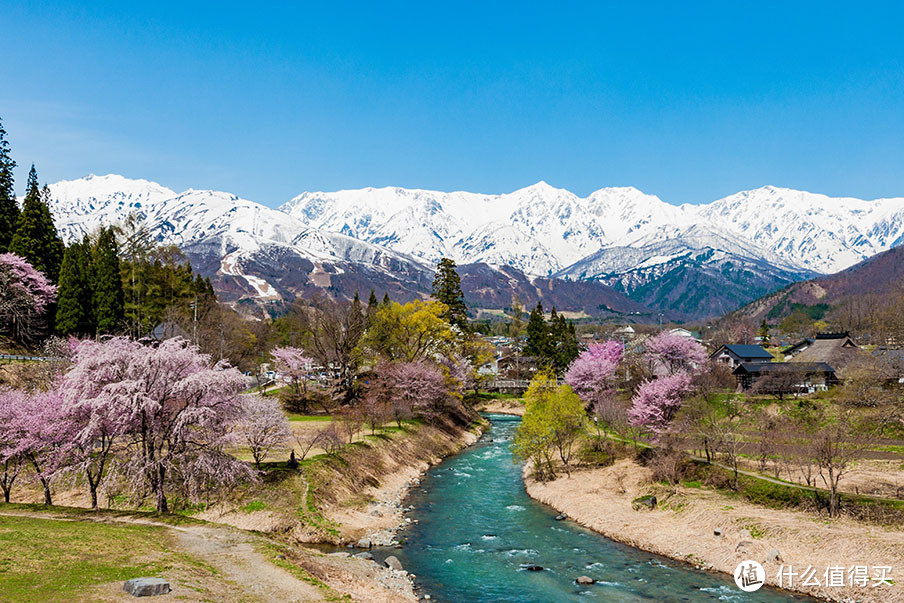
(835, 349)
(785, 377)
(736, 354)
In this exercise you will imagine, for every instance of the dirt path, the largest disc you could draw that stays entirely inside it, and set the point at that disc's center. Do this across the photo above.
(231, 553)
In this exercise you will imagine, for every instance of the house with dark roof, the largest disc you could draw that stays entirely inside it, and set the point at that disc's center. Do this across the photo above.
(797, 348)
(785, 377)
(736, 354)
(836, 349)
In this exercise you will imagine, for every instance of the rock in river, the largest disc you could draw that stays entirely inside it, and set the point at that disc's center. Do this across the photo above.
(364, 543)
(392, 562)
(532, 567)
(585, 580)
(146, 587)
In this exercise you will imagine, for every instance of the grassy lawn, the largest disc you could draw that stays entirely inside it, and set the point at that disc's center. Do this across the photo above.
(50, 560)
(303, 418)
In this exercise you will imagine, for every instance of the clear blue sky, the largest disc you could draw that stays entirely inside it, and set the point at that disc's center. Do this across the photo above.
(269, 99)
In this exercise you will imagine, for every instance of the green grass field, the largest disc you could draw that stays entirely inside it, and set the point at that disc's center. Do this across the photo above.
(51, 560)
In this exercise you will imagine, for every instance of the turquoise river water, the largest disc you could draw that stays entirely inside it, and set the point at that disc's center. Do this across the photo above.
(476, 526)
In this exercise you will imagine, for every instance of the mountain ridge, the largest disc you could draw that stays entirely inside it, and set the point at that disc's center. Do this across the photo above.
(693, 260)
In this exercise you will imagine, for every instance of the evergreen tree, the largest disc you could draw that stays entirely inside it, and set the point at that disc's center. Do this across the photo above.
(36, 238)
(537, 335)
(764, 333)
(566, 343)
(9, 207)
(386, 300)
(108, 295)
(447, 289)
(75, 303)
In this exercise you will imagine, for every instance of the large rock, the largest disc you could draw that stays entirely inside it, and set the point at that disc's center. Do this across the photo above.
(561, 516)
(532, 567)
(364, 543)
(644, 503)
(585, 580)
(365, 555)
(718, 532)
(773, 556)
(392, 562)
(146, 587)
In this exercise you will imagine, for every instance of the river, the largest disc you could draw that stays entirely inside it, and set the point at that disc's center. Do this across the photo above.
(476, 526)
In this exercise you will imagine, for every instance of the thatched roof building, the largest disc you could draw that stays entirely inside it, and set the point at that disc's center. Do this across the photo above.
(835, 349)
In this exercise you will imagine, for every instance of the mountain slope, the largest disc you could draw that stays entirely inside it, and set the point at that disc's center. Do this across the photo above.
(696, 271)
(881, 274)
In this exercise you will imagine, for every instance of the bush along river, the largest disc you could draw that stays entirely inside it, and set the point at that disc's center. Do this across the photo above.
(477, 530)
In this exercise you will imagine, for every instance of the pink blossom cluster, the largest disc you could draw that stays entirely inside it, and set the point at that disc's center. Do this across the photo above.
(593, 372)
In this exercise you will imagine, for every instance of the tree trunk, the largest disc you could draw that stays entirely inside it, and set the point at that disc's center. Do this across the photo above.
(93, 488)
(6, 493)
(47, 500)
(161, 494)
(44, 483)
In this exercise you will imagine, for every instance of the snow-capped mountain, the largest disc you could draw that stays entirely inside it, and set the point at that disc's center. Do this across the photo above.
(223, 234)
(666, 256)
(541, 229)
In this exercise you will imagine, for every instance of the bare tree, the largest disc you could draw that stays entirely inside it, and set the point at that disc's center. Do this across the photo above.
(335, 328)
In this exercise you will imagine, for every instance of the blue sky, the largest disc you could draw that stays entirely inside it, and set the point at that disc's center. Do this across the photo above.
(688, 101)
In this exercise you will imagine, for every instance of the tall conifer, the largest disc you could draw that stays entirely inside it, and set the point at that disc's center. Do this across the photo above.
(447, 289)
(9, 207)
(108, 295)
(36, 238)
(75, 303)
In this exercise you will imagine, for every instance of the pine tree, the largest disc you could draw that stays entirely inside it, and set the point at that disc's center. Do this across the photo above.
(447, 289)
(763, 333)
(36, 238)
(108, 295)
(566, 343)
(386, 300)
(537, 335)
(9, 207)
(75, 303)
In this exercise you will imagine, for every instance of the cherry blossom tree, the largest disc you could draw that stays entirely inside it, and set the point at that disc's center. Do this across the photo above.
(263, 426)
(174, 409)
(422, 387)
(11, 461)
(25, 294)
(592, 373)
(40, 434)
(657, 401)
(674, 353)
(293, 363)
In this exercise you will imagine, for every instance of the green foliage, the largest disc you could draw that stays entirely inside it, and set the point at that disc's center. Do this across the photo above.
(9, 207)
(554, 342)
(447, 290)
(538, 338)
(108, 294)
(36, 237)
(75, 300)
(553, 420)
(408, 332)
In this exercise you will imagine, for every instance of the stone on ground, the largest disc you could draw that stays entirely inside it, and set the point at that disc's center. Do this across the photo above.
(146, 587)
(392, 562)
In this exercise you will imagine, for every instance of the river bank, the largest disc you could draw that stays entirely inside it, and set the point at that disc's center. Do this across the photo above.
(501, 406)
(683, 527)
